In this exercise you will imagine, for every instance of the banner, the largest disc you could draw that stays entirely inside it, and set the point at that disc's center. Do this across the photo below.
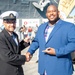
(30, 22)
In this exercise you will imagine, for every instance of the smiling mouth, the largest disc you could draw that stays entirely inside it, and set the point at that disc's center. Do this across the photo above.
(52, 16)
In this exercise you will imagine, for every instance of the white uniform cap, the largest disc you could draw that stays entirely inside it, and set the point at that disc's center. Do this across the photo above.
(6, 15)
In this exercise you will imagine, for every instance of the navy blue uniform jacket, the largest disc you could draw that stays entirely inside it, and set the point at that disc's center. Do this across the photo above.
(10, 57)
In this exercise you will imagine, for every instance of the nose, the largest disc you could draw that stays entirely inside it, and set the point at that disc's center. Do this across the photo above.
(51, 12)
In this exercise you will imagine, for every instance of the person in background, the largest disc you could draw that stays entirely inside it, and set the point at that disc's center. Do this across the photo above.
(22, 31)
(36, 28)
(55, 40)
(30, 31)
(11, 60)
(1, 27)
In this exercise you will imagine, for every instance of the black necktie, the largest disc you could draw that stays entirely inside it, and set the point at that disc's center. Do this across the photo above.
(15, 39)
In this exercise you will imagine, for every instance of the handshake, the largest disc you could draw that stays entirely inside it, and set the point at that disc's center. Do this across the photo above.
(28, 56)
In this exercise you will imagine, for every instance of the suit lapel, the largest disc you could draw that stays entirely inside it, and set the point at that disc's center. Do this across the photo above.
(43, 28)
(57, 26)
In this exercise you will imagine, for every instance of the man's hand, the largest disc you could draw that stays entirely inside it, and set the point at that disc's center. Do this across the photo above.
(50, 51)
(28, 56)
(27, 39)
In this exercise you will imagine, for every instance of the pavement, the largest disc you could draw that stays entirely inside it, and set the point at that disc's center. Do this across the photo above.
(31, 67)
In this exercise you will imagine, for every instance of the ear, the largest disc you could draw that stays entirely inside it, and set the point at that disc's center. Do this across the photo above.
(3, 23)
(58, 12)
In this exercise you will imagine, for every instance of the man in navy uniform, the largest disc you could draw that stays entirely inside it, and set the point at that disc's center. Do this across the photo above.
(10, 47)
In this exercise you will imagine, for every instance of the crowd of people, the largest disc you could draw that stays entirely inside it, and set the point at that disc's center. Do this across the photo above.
(55, 40)
(28, 31)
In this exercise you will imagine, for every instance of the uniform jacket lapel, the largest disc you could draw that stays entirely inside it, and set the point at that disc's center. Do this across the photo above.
(10, 41)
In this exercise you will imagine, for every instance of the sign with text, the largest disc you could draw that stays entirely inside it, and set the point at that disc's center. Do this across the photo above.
(30, 22)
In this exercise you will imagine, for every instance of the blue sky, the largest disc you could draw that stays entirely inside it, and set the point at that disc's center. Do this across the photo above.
(73, 12)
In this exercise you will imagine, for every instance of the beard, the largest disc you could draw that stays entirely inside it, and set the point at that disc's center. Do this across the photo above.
(54, 21)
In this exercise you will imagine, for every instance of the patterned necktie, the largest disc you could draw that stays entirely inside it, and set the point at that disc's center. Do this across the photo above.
(46, 31)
